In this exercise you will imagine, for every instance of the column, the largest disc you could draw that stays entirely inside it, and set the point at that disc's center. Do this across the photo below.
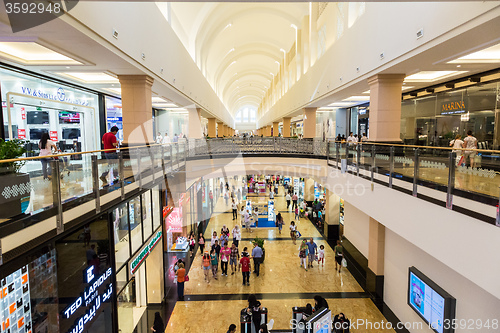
(385, 107)
(332, 215)
(212, 128)
(309, 129)
(376, 256)
(225, 130)
(220, 129)
(137, 109)
(309, 189)
(286, 127)
(195, 130)
(268, 130)
(276, 129)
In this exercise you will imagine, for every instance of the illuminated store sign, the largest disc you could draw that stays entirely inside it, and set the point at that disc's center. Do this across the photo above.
(453, 107)
(91, 298)
(15, 309)
(59, 95)
(145, 252)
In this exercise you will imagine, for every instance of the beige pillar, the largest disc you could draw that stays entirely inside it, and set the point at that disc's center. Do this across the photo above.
(220, 129)
(309, 189)
(268, 130)
(212, 128)
(276, 129)
(332, 215)
(137, 109)
(286, 127)
(309, 129)
(385, 107)
(195, 130)
(376, 247)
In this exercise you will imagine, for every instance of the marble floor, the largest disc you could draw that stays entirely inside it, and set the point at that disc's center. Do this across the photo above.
(213, 306)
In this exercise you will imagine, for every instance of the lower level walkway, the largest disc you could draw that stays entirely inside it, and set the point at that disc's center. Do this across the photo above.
(282, 284)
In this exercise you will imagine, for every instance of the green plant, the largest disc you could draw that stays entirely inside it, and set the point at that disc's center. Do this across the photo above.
(259, 242)
(11, 149)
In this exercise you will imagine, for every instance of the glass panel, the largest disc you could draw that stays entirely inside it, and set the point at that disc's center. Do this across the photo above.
(135, 219)
(121, 279)
(108, 170)
(156, 207)
(76, 176)
(121, 235)
(434, 166)
(126, 304)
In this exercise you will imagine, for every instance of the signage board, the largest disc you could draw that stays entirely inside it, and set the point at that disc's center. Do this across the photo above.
(270, 211)
(53, 136)
(21, 133)
(144, 253)
(174, 220)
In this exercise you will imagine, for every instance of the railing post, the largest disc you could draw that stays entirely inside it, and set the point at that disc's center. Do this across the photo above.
(498, 211)
(373, 162)
(337, 144)
(358, 157)
(274, 145)
(391, 165)
(185, 154)
(56, 195)
(328, 152)
(451, 181)
(163, 160)
(121, 173)
(415, 171)
(95, 183)
(139, 166)
(152, 151)
(171, 157)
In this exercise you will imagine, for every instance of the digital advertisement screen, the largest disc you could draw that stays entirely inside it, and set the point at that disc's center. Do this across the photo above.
(323, 324)
(429, 300)
(68, 117)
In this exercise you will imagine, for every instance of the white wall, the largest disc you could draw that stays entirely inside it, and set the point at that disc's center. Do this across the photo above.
(473, 302)
(356, 227)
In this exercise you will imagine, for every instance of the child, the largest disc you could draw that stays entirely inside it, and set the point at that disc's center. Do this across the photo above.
(321, 255)
(297, 213)
(215, 263)
(206, 266)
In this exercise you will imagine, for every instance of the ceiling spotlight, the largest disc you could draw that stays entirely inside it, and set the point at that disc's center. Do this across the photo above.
(458, 66)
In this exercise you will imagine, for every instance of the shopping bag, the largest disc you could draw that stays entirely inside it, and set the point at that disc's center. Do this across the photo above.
(344, 262)
(186, 278)
(298, 234)
(461, 161)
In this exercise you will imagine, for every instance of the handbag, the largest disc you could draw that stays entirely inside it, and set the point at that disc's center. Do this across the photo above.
(186, 278)
(344, 262)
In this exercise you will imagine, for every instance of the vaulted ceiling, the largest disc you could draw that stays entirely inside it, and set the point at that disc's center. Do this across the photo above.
(238, 45)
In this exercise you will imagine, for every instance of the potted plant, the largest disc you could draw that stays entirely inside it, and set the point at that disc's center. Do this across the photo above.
(260, 243)
(15, 187)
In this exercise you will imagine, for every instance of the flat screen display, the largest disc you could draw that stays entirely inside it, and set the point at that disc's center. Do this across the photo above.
(70, 133)
(68, 117)
(37, 117)
(430, 301)
(36, 134)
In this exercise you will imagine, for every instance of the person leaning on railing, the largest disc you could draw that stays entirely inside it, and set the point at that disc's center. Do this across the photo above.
(110, 143)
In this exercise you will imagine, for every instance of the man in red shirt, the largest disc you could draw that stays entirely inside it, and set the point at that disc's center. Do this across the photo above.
(245, 267)
(110, 142)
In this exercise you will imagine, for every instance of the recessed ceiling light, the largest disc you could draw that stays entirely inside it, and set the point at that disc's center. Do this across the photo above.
(458, 66)
(156, 99)
(356, 99)
(430, 76)
(165, 105)
(488, 55)
(31, 53)
(90, 77)
(342, 104)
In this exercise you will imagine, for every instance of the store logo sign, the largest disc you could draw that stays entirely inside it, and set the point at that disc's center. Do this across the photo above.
(136, 263)
(59, 96)
(91, 298)
(453, 107)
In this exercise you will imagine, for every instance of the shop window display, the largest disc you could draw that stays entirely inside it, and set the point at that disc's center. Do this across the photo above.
(147, 219)
(135, 219)
(126, 302)
(121, 234)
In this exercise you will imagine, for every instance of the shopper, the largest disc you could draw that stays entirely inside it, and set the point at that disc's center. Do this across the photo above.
(279, 222)
(166, 139)
(181, 273)
(248, 222)
(242, 215)
(293, 232)
(271, 194)
(158, 325)
(201, 243)
(341, 324)
(320, 302)
(234, 206)
(224, 230)
(214, 261)
(211, 197)
(288, 198)
(257, 254)
(321, 255)
(339, 255)
(224, 239)
(470, 142)
(217, 248)
(234, 258)
(205, 264)
(231, 329)
(313, 249)
(303, 254)
(47, 147)
(457, 144)
(192, 243)
(236, 235)
(225, 254)
(159, 138)
(214, 238)
(294, 200)
(254, 309)
(297, 214)
(245, 267)
(110, 144)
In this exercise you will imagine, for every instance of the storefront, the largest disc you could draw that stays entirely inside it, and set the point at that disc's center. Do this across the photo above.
(32, 106)
(114, 116)
(171, 122)
(436, 119)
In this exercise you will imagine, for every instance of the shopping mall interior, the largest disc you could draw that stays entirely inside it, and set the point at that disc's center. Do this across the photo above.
(249, 166)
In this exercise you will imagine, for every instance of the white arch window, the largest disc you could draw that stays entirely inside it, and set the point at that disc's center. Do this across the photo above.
(246, 115)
